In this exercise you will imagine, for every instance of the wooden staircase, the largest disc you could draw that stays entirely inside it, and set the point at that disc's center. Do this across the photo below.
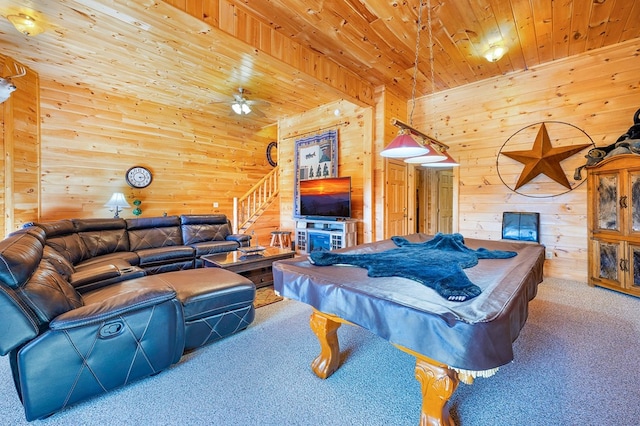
(248, 208)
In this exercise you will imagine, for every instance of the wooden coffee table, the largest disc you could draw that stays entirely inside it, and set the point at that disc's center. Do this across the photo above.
(256, 267)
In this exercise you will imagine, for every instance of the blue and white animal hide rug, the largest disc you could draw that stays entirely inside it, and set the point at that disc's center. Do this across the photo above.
(437, 263)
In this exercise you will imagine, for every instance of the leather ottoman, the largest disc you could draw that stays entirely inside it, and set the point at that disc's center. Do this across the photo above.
(216, 303)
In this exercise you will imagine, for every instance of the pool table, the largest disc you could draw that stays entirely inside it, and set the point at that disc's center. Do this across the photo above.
(452, 341)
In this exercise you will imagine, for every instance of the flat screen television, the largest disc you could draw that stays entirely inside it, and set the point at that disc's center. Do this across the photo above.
(328, 198)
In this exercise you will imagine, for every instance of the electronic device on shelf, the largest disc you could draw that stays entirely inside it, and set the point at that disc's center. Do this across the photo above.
(327, 198)
(251, 251)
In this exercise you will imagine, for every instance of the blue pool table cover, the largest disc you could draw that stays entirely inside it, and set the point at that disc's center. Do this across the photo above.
(475, 335)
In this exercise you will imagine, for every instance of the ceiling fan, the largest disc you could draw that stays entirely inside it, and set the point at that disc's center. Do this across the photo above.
(240, 105)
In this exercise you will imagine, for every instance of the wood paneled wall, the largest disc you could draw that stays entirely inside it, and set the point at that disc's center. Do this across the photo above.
(388, 107)
(20, 162)
(355, 144)
(90, 139)
(598, 92)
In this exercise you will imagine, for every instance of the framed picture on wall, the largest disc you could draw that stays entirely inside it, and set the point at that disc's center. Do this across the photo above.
(316, 157)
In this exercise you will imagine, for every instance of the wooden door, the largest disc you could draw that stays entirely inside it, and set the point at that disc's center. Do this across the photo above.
(445, 201)
(396, 199)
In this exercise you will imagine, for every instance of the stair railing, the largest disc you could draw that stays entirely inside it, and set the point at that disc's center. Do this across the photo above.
(249, 207)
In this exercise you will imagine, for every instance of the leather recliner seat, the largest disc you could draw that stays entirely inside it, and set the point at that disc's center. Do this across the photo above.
(69, 343)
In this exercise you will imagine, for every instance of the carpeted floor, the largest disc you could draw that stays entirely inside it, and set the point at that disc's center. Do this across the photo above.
(574, 365)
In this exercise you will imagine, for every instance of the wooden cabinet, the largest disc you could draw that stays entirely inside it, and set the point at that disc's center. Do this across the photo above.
(324, 234)
(613, 218)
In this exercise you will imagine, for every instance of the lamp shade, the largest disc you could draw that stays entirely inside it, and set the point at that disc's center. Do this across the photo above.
(117, 200)
(447, 162)
(431, 157)
(403, 146)
(116, 203)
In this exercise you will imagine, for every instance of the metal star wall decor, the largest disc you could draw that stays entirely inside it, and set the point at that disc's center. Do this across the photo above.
(543, 158)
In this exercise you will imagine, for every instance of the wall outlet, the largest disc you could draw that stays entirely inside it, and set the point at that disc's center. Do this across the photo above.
(548, 254)
(216, 205)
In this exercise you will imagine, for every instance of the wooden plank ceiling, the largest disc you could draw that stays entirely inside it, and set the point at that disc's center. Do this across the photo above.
(299, 54)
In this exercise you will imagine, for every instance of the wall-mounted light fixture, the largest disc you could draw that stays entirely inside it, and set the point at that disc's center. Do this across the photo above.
(116, 203)
(26, 24)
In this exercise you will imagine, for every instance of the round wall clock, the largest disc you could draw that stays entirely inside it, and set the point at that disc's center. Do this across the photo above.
(138, 177)
(271, 157)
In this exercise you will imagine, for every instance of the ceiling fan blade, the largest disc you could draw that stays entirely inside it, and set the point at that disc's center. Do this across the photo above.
(259, 102)
(258, 113)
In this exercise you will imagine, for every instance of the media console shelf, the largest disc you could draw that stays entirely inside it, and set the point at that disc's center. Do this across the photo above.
(314, 234)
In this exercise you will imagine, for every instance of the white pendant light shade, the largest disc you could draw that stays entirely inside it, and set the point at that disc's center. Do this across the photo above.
(447, 162)
(431, 157)
(403, 146)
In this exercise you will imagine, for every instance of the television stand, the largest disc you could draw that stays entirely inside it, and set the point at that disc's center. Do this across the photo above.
(324, 234)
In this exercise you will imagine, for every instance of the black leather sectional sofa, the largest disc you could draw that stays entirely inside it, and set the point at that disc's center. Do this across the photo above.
(88, 305)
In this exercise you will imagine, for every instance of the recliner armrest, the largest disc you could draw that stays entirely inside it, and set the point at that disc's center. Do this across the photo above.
(92, 275)
(120, 303)
(242, 239)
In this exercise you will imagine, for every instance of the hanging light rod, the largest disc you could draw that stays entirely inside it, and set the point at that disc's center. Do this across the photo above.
(418, 133)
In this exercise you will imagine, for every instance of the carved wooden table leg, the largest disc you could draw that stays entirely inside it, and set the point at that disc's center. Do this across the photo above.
(438, 382)
(327, 331)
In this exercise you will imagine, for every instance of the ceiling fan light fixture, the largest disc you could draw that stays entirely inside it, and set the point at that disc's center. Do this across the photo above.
(241, 108)
(26, 24)
(495, 52)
